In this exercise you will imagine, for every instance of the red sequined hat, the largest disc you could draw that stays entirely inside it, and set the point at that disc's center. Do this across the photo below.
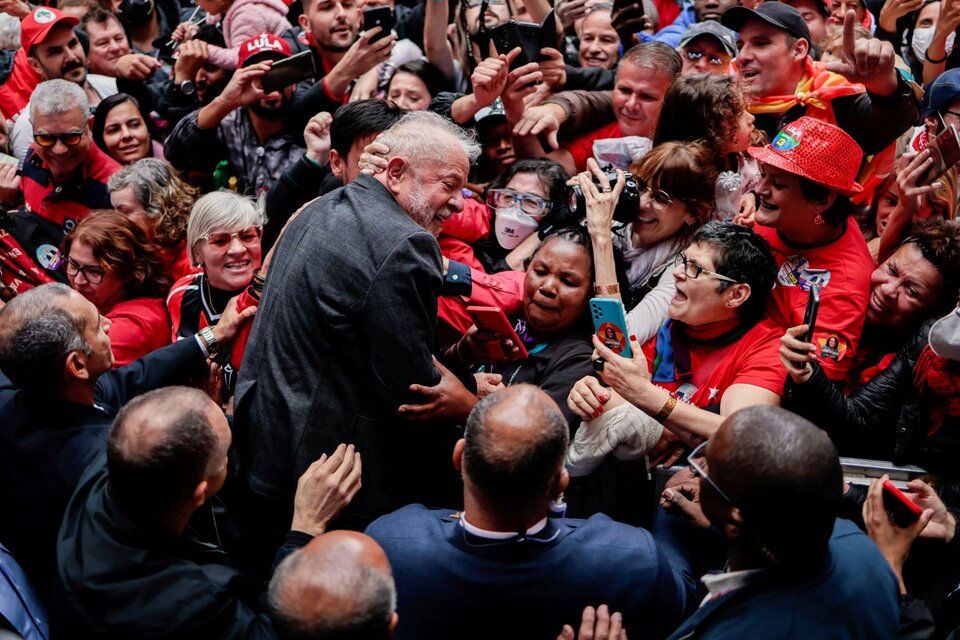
(821, 152)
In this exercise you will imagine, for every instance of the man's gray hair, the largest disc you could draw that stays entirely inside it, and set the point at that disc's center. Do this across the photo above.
(421, 137)
(36, 336)
(368, 594)
(58, 96)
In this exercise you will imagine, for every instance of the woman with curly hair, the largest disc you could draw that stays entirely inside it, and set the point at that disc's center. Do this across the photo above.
(111, 263)
(153, 196)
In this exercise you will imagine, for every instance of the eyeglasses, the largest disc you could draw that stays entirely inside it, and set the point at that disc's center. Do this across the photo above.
(661, 199)
(955, 114)
(93, 275)
(47, 140)
(531, 204)
(702, 470)
(693, 55)
(694, 270)
(221, 240)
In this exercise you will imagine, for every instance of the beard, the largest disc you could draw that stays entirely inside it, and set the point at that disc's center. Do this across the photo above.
(272, 112)
(420, 210)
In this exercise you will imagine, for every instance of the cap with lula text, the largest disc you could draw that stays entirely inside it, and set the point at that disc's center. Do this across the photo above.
(712, 29)
(778, 14)
(38, 23)
(265, 46)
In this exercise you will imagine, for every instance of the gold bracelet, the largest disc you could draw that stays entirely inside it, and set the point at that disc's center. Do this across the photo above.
(667, 409)
(606, 289)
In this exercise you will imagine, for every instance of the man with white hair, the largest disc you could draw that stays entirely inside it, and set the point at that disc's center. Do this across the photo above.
(346, 324)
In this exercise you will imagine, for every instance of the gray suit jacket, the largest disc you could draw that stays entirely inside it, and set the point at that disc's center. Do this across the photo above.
(345, 326)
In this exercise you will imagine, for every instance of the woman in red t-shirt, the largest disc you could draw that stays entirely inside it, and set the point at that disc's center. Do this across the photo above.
(109, 261)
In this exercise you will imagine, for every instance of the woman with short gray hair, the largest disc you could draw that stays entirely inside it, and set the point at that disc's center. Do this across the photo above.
(223, 240)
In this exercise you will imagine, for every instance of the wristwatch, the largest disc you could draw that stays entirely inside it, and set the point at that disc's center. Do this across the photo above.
(206, 334)
(187, 88)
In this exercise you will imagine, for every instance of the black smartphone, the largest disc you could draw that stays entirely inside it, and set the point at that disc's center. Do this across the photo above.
(810, 315)
(902, 511)
(530, 37)
(378, 17)
(289, 71)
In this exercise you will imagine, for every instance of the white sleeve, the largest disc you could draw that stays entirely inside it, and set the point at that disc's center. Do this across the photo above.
(645, 319)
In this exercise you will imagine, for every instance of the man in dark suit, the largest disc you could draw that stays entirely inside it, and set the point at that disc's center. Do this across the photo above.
(345, 326)
(58, 396)
(504, 563)
(772, 484)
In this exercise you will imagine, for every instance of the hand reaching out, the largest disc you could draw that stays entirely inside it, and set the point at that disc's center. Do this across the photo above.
(325, 489)
(868, 61)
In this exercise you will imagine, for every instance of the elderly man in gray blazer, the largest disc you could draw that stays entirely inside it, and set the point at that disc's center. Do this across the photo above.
(346, 325)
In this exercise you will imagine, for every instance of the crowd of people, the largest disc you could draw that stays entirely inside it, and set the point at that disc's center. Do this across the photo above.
(479, 318)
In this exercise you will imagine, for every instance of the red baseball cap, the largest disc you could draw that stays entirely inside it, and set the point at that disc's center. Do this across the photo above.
(38, 23)
(262, 47)
(818, 151)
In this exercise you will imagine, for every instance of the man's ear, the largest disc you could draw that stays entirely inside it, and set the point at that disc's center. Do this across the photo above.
(733, 523)
(35, 65)
(76, 366)
(458, 454)
(561, 483)
(336, 162)
(800, 49)
(396, 172)
(304, 23)
(90, 122)
(199, 496)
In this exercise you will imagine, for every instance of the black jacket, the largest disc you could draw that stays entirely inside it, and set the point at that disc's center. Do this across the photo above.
(886, 418)
(117, 578)
(45, 444)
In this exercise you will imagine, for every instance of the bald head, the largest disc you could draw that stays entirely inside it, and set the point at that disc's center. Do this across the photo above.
(161, 446)
(784, 475)
(515, 441)
(338, 586)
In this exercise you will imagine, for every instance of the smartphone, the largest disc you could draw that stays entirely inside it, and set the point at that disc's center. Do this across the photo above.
(378, 17)
(902, 510)
(810, 315)
(289, 71)
(494, 320)
(945, 151)
(610, 325)
(529, 36)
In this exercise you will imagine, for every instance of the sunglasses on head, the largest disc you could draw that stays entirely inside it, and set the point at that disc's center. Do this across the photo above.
(47, 140)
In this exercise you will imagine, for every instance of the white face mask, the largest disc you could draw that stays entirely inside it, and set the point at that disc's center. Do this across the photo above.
(513, 226)
(922, 38)
(944, 336)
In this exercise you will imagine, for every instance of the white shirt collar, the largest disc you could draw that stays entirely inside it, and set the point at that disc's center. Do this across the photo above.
(498, 535)
(720, 583)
